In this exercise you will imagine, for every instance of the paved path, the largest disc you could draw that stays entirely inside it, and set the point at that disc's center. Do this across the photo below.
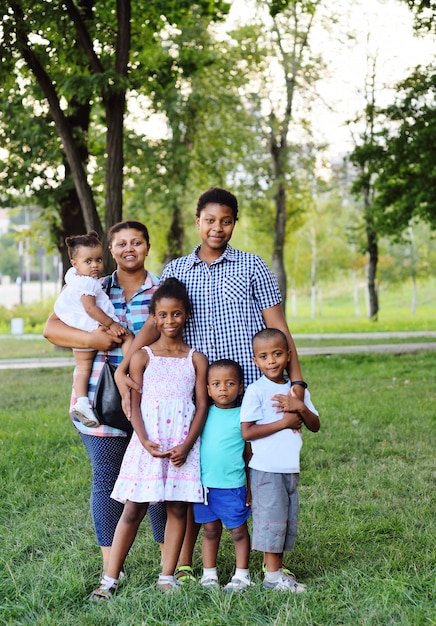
(385, 348)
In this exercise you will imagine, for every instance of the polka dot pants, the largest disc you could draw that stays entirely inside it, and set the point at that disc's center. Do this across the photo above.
(106, 455)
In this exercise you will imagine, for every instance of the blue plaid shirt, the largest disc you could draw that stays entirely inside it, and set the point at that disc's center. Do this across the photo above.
(228, 297)
(132, 315)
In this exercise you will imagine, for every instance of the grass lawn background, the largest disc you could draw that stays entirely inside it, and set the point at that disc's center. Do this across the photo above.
(366, 541)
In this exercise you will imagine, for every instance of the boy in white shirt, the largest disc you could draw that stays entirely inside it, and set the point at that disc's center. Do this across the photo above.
(271, 419)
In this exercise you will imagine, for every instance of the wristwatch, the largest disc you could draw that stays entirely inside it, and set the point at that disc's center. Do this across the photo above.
(299, 382)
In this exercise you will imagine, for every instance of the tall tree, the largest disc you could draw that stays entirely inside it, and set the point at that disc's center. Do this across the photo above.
(72, 58)
(286, 69)
(364, 157)
(203, 140)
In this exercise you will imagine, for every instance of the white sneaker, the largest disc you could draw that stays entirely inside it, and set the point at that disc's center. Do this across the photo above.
(237, 585)
(210, 582)
(286, 582)
(84, 413)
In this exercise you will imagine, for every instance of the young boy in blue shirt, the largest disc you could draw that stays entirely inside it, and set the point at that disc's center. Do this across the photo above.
(271, 419)
(223, 462)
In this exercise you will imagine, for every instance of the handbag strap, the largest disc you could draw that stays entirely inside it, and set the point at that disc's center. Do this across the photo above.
(107, 283)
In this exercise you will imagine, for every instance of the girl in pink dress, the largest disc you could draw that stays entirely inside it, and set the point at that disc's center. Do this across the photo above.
(162, 461)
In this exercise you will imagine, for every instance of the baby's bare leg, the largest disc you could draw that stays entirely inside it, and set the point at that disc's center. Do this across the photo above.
(83, 371)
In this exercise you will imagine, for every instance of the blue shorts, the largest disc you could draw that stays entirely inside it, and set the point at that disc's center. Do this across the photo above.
(275, 511)
(227, 505)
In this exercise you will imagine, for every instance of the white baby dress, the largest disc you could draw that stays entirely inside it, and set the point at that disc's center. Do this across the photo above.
(69, 308)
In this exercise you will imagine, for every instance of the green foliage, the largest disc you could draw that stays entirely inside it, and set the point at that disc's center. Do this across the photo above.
(75, 53)
(425, 12)
(366, 530)
(34, 316)
(406, 174)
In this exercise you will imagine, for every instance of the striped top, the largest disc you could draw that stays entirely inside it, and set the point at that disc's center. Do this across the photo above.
(132, 315)
(228, 297)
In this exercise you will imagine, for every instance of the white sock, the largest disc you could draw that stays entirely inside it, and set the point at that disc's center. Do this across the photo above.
(210, 572)
(242, 573)
(272, 577)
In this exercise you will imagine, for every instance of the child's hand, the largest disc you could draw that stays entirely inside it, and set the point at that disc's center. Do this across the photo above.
(155, 449)
(287, 403)
(248, 500)
(292, 420)
(117, 330)
(178, 455)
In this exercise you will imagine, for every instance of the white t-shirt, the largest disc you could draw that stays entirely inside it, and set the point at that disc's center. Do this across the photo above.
(69, 308)
(280, 452)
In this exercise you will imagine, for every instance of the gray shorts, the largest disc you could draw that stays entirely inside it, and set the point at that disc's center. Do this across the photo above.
(274, 511)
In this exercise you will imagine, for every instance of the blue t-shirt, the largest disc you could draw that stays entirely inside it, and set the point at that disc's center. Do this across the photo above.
(222, 449)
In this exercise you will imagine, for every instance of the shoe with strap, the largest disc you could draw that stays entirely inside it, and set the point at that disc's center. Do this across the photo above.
(185, 574)
(167, 584)
(104, 592)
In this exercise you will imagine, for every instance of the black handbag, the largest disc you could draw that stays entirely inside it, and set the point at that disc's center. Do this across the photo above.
(107, 400)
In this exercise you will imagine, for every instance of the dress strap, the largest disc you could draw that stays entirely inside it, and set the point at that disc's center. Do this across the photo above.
(148, 351)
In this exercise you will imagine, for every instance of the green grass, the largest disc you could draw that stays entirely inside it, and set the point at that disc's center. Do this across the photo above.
(27, 347)
(335, 315)
(337, 312)
(365, 546)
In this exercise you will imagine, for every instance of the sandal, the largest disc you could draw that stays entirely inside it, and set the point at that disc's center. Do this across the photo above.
(185, 574)
(106, 589)
(102, 593)
(167, 584)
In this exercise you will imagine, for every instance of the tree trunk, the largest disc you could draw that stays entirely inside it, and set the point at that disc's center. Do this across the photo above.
(115, 105)
(114, 170)
(313, 276)
(372, 249)
(175, 236)
(64, 129)
(371, 236)
(72, 223)
(278, 264)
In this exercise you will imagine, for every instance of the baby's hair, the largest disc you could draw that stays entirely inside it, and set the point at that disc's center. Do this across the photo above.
(216, 195)
(227, 363)
(270, 333)
(90, 240)
(171, 288)
(128, 225)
